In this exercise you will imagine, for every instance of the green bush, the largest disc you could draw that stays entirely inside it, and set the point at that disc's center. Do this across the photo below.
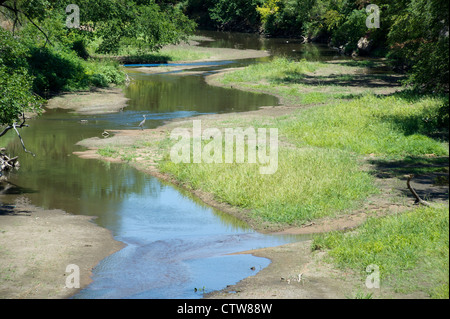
(15, 82)
(235, 14)
(56, 71)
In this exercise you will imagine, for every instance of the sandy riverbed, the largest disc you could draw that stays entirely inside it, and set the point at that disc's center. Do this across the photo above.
(37, 245)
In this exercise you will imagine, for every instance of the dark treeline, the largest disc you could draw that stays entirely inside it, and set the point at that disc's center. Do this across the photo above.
(412, 34)
(40, 55)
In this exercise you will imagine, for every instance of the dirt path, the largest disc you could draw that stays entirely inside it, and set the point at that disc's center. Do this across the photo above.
(37, 245)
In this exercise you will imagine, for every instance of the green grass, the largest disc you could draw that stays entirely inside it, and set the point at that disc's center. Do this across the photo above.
(126, 154)
(320, 175)
(274, 72)
(185, 54)
(308, 83)
(384, 126)
(309, 183)
(411, 249)
(108, 151)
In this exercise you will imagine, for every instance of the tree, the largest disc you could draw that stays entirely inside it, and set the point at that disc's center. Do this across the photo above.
(142, 23)
(238, 15)
(16, 95)
(146, 23)
(419, 41)
(33, 60)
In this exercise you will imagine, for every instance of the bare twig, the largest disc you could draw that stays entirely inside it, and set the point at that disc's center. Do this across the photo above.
(16, 13)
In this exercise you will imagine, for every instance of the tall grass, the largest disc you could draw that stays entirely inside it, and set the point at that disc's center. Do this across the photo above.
(411, 249)
(309, 183)
(383, 126)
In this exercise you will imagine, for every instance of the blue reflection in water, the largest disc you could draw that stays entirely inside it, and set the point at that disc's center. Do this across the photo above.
(211, 63)
(174, 245)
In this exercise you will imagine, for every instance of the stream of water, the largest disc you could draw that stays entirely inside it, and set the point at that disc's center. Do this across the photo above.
(176, 246)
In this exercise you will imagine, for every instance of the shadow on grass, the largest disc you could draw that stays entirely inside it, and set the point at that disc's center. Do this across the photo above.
(431, 175)
(346, 80)
(431, 122)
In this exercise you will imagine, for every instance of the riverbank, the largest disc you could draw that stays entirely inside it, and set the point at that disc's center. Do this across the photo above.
(147, 151)
(307, 97)
(37, 245)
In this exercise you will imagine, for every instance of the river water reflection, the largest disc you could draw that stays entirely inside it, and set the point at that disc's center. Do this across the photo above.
(175, 244)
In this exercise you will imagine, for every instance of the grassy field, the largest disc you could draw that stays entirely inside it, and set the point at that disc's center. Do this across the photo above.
(310, 183)
(311, 83)
(319, 174)
(392, 126)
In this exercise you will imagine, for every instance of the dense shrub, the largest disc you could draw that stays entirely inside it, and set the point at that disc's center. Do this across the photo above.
(16, 95)
(55, 71)
(59, 70)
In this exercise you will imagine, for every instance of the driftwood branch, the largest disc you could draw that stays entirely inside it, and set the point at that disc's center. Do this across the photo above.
(21, 141)
(10, 127)
(7, 163)
(419, 201)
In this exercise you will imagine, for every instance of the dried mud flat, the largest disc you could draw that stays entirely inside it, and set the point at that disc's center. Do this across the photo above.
(96, 101)
(37, 245)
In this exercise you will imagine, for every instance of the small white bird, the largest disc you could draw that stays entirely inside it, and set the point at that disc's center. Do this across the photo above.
(141, 125)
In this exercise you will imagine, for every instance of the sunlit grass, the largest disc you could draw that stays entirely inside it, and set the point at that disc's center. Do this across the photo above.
(280, 69)
(411, 250)
(108, 151)
(309, 183)
(383, 126)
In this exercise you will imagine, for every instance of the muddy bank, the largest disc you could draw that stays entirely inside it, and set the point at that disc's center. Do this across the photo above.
(294, 273)
(96, 101)
(36, 246)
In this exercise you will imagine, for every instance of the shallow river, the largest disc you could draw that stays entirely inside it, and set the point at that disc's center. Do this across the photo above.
(176, 247)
